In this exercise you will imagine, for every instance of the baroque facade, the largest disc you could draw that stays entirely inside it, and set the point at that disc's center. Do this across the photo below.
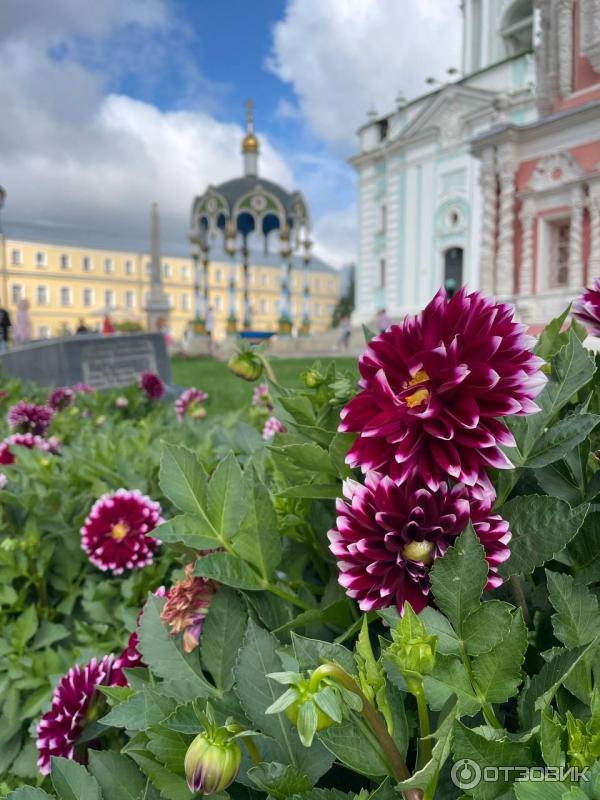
(541, 242)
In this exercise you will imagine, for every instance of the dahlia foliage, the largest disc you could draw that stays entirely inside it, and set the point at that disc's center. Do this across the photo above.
(427, 420)
(115, 534)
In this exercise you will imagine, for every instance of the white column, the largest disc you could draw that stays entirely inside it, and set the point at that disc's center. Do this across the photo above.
(487, 181)
(576, 239)
(527, 217)
(594, 206)
(565, 47)
(505, 262)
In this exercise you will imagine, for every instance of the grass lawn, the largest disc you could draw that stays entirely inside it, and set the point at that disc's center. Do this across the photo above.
(228, 393)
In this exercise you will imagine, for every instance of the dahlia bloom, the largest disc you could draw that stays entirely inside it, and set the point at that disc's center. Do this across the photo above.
(61, 398)
(27, 417)
(272, 426)
(189, 403)
(434, 386)
(261, 397)
(6, 456)
(387, 537)
(152, 386)
(186, 607)
(130, 658)
(3, 480)
(121, 401)
(83, 388)
(29, 441)
(75, 702)
(586, 308)
(115, 533)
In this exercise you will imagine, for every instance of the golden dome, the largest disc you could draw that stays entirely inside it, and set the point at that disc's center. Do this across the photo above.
(250, 143)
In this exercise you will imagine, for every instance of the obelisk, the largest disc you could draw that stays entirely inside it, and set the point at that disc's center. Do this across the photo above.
(157, 302)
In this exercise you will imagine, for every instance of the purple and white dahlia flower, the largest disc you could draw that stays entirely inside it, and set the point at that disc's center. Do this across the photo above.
(152, 386)
(586, 308)
(116, 532)
(433, 387)
(27, 417)
(272, 426)
(191, 404)
(61, 397)
(387, 537)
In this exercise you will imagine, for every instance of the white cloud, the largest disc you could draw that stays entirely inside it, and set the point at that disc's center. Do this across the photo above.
(335, 236)
(342, 56)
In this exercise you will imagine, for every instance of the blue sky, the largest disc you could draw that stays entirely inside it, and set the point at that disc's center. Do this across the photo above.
(112, 105)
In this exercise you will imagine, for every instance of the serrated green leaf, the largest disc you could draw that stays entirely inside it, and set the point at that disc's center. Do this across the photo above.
(448, 678)
(584, 549)
(169, 747)
(486, 626)
(279, 780)
(436, 623)
(29, 793)
(223, 507)
(576, 620)
(309, 456)
(316, 491)
(497, 672)
(71, 781)
(459, 577)
(229, 570)
(118, 776)
(551, 734)
(183, 479)
(351, 744)
(170, 786)
(561, 438)
(24, 628)
(311, 653)
(545, 790)
(222, 635)
(192, 530)
(541, 527)
(140, 711)
(258, 541)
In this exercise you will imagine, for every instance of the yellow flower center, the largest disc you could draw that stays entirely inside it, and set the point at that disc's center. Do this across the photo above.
(419, 552)
(420, 396)
(119, 531)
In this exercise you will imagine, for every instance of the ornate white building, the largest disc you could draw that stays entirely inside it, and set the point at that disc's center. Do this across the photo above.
(419, 187)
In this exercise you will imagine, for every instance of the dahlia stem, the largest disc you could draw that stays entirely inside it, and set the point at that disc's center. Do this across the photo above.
(253, 750)
(290, 598)
(268, 369)
(426, 751)
(486, 707)
(393, 756)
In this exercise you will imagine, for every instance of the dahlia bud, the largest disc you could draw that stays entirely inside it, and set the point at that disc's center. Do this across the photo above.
(246, 365)
(212, 761)
(583, 747)
(412, 651)
(311, 378)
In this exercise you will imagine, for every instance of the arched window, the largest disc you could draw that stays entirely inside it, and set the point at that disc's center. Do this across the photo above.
(517, 27)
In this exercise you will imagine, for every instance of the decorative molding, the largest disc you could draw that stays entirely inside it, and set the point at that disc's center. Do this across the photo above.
(589, 32)
(594, 208)
(487, 182)
(505, 259)
(554, 170)
(565, 47)
(576, 239)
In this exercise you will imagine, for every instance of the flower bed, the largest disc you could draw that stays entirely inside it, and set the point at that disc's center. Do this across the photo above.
(335, 592)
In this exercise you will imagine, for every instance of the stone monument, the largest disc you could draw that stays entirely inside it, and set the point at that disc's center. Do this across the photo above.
(157, 302)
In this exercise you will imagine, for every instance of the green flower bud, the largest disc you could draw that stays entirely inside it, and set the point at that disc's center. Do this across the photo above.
(311, 378)
(212, 761)
(583, 747)
(413, 650)
(246, 365)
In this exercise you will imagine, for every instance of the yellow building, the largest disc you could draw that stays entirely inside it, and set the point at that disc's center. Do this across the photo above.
(68, 275)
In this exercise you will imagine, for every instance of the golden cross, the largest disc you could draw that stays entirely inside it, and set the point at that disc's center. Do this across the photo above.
(249, 115)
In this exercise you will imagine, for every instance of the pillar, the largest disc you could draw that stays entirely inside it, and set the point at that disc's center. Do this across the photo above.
(594, 205)
(232, 315)
(246, 286)
(565, 47)
(505, 257)
(487, 181)
(526, 285)
(576, 239)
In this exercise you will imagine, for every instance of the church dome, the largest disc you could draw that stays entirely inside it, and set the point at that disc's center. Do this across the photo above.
(250, 143)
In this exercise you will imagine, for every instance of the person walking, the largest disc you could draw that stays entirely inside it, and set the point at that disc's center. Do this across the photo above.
(345, 329)
(107, 326)
(82, 327)
(210, 327)
(5, 325)
(382, 321)
(23, 328)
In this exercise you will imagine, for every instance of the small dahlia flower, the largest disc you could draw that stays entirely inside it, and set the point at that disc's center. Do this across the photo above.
(190, 404)
(152, 386)
(75, 703)
(121, 401)
(586, 308)
(27, 417)
(433, 387)
(6, 456)
(130, 658)
(28, 440)
(387, 537)
(115, 534)
(83, 388)
(272, 426)
(61, 398)
(261, 397)
(186, 607)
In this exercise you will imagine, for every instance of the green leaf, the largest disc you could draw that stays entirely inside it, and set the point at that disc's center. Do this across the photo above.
(311, 653)
(441, 750)
(258, 540)
(229, 570)
(338, 450)
(449, 677)
(24, 628)
(352, 744)
(181, 671)
(183, 479)
(544, 790)
(278, 780)
(561, 438)
(541, 527)
(584, 549)
(487, 626)
(576, 621)
(317, 491)
(222, 635)
(140, 711)
(459, 577)
(551, 734)
(543, 686)
(497, 672)
(29, 793)
(223, 507)
(193, 531)
(170, 786)
(169, 747)
(551, 339)
(118, 776)
(436, 623)
(71, 781)
(257, 658)
(309, 456)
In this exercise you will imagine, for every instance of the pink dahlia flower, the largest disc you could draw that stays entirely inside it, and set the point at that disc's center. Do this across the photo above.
(61, 398)
(27, 417)
(115, 534)
(434, 386)
(186, 607)
(190, 404)
(272, 426)
(28, 440)
(74, 703)
(130, 658)
(121, 402)
(261, 397)
(387, 537)
(152, 386)
(83, 388)
(6, 456)
(587, 308)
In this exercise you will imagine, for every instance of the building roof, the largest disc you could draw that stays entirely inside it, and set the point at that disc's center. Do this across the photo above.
(236, 188)
(88, 239)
